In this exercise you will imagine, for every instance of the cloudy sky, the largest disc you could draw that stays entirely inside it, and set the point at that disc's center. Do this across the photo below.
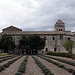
(37, 15)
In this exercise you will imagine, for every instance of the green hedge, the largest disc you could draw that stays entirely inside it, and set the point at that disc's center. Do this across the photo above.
(2, 67)
(3, 54)
(61, 60)
(60, 54)
(22, 67)
(70, 70)
(4, 59)
(45, 70)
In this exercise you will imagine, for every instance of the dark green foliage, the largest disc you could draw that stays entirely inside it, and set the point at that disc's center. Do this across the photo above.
(23, 43)
(49, 73)
(73, 73)
(61, 60)
(68, 55)
(5, 56)
(60, 54)
(70, 70)
(1, 60)
(56, 63)
(45, 70)
(69, 45)
(22, 67)
(6, 65)
(18, 73)
(2, 67)
(32, 43)
(21, 70)
(36, 42)
(61, 66)
(7, 43)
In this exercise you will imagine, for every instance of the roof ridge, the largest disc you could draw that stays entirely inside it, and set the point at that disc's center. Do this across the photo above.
(59, 21)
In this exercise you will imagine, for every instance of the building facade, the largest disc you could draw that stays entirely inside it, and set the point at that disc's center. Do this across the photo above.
(54, 39)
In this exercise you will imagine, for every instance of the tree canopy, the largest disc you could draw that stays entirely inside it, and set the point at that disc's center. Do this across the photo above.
(6, 43)
(23, 43)
(69, 45)
(32, 43)
(36, 42)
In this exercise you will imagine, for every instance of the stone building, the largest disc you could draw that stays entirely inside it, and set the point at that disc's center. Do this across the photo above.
(54, 39)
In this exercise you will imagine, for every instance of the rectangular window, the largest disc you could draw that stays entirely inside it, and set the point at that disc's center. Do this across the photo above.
(61, 37)
(68, 38)
(54, 49)
(53, 38)
(46, 49)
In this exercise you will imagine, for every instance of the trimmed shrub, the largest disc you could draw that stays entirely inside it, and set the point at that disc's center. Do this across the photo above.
(70, 70)
(6, 65)
(18, 73)
(22, 67)
(49, 73)
(6, 58)
(61, 66)
(68, 55)
(56, 63)
(44, 69)
(60, 54)
(21, 70)
(73, 73)
(59, 59)
(2, 67)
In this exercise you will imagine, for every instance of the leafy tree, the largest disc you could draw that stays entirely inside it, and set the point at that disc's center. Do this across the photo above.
(7, 43)
(32, 43)
(23, 43)
(36, 43)
(69, 45)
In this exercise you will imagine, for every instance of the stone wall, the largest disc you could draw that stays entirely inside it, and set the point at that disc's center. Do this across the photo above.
(54, 39)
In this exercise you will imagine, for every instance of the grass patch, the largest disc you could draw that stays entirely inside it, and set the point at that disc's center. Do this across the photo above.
(3, 54)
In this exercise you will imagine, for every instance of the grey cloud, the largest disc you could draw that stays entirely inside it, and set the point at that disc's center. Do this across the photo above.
(36, 14)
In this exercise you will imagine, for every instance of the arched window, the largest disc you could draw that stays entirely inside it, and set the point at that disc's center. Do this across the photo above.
(60, 29)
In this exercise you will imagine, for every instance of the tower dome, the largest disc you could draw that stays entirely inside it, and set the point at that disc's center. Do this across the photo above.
(59, 26)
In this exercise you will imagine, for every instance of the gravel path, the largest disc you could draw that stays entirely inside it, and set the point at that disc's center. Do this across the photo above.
(67, 65)
(12, 69)
(6, 61)
(54, 69)
(32, 68)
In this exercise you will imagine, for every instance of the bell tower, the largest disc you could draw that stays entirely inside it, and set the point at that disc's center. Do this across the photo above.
(59, 26)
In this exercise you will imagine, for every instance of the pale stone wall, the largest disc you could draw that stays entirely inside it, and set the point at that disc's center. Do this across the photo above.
(51, 44)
